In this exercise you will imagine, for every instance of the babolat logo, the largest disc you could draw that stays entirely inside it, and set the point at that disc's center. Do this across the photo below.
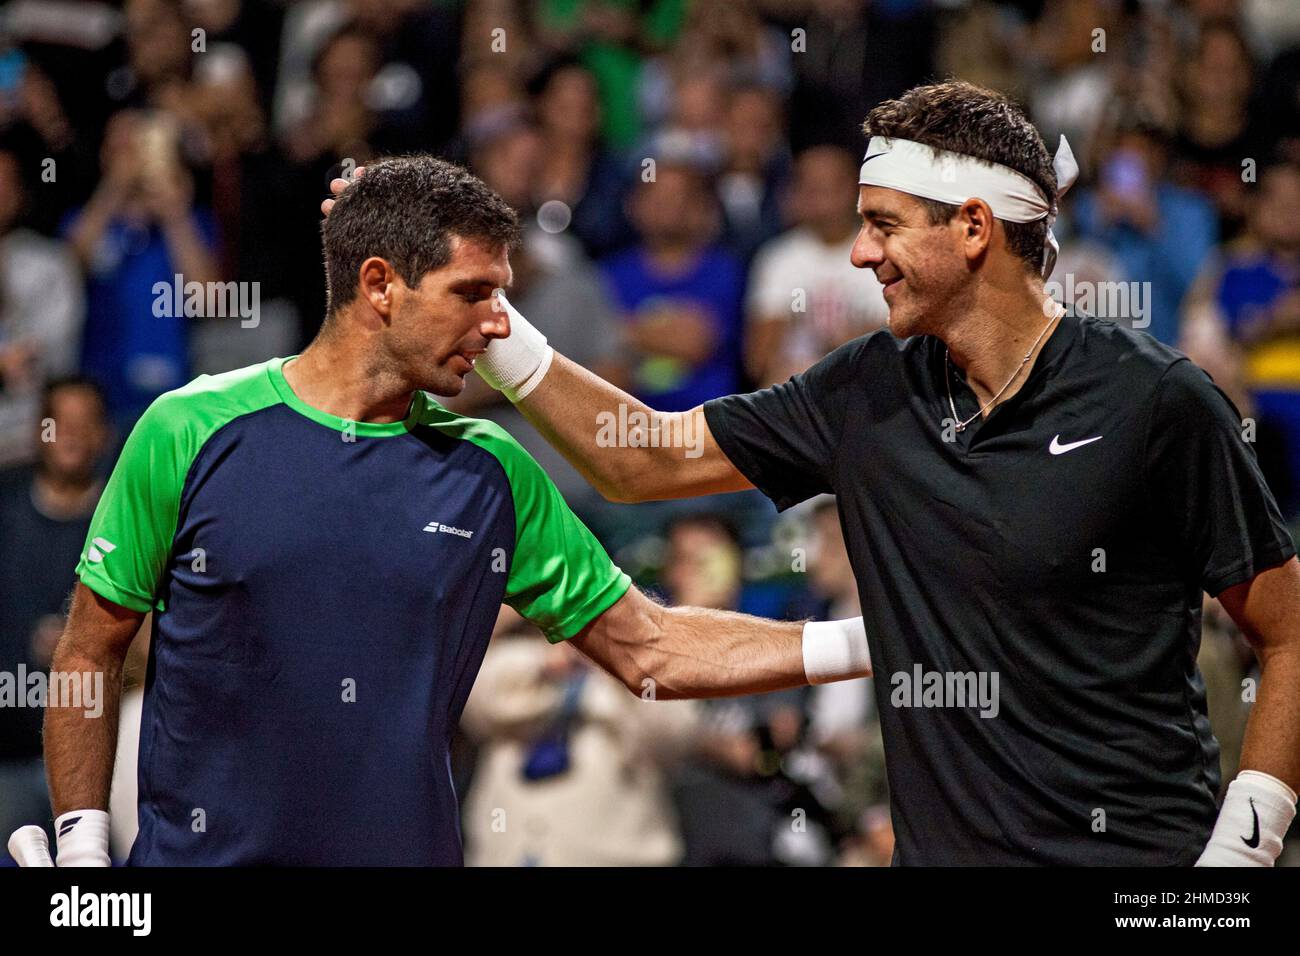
(75, 908)
(98, 548)
(434, 527)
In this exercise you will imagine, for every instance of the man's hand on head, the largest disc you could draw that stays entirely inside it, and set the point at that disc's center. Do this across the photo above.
(336, 189)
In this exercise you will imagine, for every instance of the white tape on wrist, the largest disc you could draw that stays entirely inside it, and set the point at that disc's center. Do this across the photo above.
(522, 392)
(1256, 813)
(30, 847)
(835, 650)
(515, 365)
(82, 838)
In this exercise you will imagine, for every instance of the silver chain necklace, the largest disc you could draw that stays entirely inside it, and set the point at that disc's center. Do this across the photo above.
(947, 375)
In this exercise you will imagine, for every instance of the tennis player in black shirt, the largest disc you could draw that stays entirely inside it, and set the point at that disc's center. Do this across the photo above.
(1033, 502)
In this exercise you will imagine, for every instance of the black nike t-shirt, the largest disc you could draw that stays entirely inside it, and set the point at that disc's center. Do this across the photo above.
(1032, 584)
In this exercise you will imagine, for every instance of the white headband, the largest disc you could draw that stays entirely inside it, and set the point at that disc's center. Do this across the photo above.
(937, 174)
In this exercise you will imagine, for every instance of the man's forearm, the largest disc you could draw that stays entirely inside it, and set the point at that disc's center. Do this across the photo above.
(1272, 741)
(613, 439)
(80, 749)
(1259, 804)
(188, 250)
(700, 652)
(679, 652)
(91, 225)
(628, 451)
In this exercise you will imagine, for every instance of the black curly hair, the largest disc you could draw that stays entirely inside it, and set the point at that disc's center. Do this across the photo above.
(407, 209)
(961, 117)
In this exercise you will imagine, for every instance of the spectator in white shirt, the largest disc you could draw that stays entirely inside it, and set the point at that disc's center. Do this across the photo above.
(805, 296)
(571, 767)
(41, 312)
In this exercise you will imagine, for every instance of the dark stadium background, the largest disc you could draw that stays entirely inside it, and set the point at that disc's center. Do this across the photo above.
(713, 144)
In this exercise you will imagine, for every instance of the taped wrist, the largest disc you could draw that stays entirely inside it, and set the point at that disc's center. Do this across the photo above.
(516, 364)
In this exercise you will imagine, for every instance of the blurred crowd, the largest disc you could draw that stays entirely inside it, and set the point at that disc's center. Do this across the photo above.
(686, 171)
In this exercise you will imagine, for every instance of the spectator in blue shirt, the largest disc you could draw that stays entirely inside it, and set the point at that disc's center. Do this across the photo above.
(1242, 325)
(139, 229)
(679, 293)
(1160, 233)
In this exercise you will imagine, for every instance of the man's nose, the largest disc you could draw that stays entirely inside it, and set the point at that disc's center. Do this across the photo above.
(868, 251)
(497, 323)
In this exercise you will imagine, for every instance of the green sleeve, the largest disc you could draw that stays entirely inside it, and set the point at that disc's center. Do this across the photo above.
(560, 579)
(131, 533)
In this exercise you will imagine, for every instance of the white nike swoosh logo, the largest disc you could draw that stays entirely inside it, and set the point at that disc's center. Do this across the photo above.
(1056, 448)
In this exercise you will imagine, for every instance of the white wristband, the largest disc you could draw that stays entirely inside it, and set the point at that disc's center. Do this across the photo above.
(82, 837)
(515, 365)
(30, 847)
(835, 650)
(1256, 812)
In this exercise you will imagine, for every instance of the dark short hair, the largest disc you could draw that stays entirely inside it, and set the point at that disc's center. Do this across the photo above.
(53, 386)
(349, 30)
(715, 521)
(549, 70)
(961, 117)
(407, 210)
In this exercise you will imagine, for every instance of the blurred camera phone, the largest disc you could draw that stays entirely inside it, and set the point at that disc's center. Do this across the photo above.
(13, 64)
(158, 147)
(1125, 174)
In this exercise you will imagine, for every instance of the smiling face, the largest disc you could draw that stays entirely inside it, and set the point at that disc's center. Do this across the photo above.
(438, 327)
(922, 266)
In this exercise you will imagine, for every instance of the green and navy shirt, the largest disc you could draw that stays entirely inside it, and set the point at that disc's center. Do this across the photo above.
(324, 591)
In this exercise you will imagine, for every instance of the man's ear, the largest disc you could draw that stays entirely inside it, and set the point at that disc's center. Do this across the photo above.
(975, 219)
(376, 281)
